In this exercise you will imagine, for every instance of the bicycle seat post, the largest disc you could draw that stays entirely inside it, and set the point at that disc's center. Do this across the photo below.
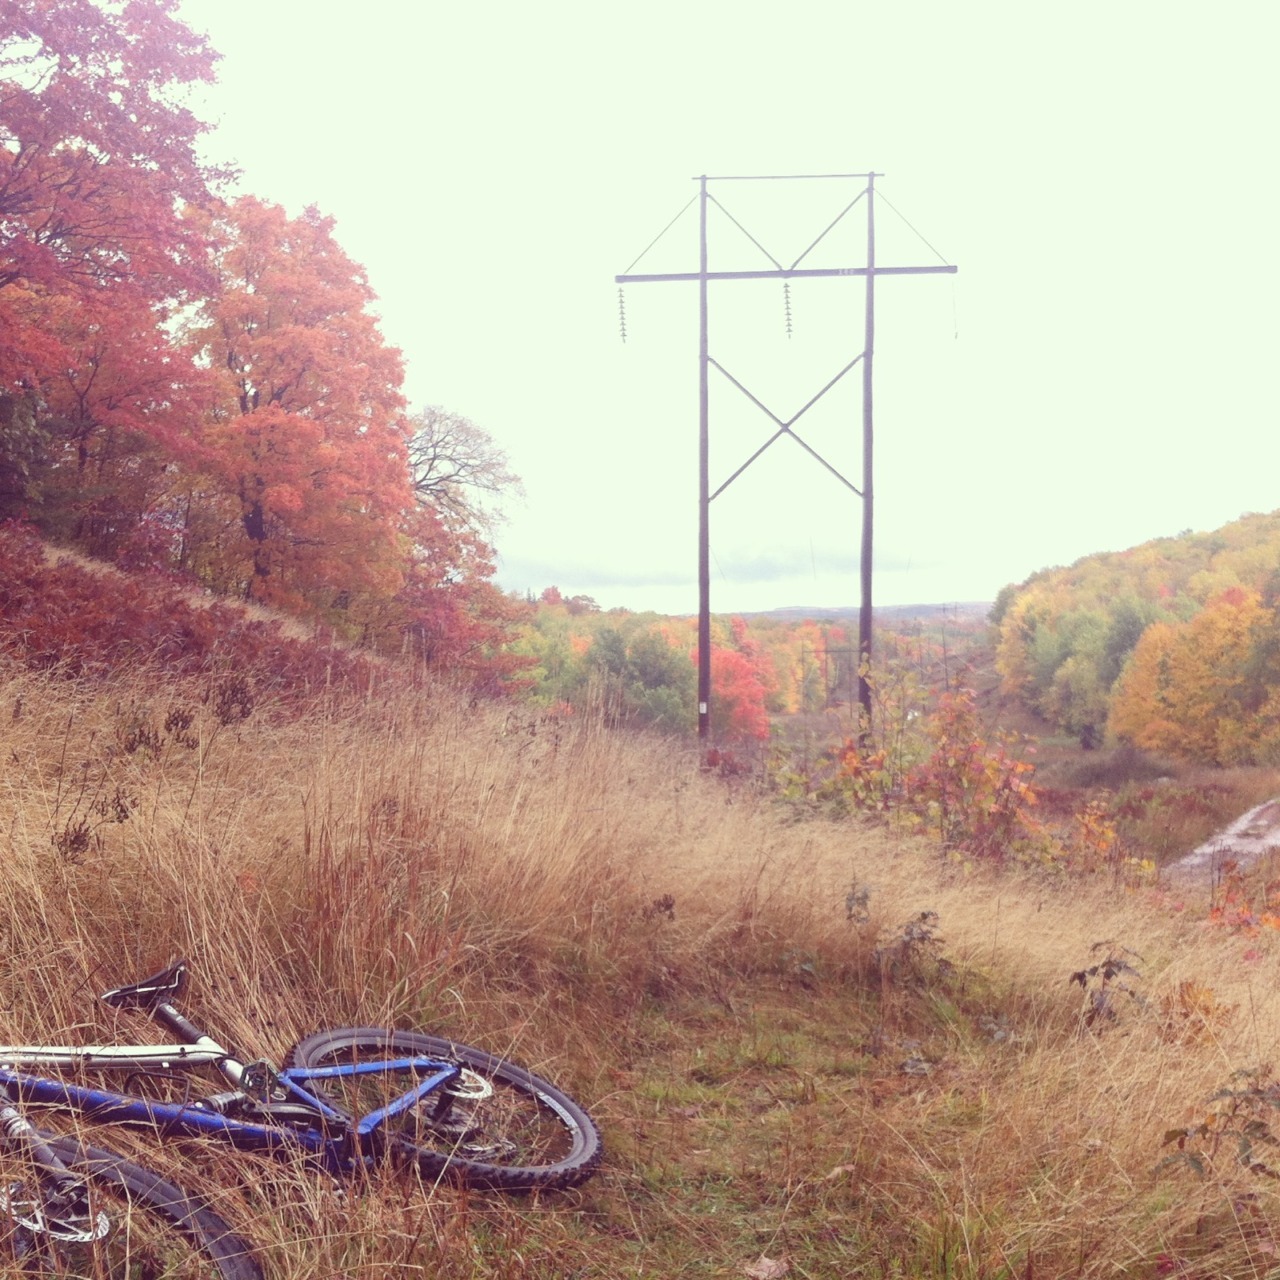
(187, 1031)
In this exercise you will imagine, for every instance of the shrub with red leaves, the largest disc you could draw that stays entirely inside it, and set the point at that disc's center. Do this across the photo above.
(79, 621)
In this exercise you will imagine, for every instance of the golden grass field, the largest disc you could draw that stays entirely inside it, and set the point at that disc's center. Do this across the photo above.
(782, 1089)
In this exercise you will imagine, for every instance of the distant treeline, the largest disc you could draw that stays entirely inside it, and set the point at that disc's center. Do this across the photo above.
(1172, 646)
(643, 666)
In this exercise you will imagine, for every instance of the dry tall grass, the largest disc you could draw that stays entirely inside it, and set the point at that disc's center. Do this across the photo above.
(772, 1076)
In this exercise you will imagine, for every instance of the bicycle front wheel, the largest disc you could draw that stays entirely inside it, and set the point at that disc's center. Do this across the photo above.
(139, 1226)
(498, 1126)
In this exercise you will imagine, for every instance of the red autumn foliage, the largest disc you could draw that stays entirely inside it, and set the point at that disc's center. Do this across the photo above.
(450, 617)
(84, 622)
(1244, 904)
(114, 420)
(976, 794)
(307, 444)
(97, 155)
(195, 387)
(739, 692)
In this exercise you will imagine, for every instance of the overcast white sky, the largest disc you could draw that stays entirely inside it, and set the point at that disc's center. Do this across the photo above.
(1100, 372)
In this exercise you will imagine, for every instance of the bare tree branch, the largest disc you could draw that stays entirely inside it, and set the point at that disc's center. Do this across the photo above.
(458, 470)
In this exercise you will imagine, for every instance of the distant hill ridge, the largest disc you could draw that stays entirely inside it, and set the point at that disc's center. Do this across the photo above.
(968, 611)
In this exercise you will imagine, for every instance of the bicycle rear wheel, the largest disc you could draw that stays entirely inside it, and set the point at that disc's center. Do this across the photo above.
(139, 1226)
(500, 1126)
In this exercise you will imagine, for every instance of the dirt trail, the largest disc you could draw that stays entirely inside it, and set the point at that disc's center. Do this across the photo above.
(1246, 840)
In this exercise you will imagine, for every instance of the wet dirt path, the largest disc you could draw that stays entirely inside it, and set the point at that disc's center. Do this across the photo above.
(1248, 838)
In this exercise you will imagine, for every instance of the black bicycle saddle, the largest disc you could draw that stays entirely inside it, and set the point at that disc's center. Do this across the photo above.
(166, 985)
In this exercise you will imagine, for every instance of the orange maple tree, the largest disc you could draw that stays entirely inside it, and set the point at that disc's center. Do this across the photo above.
(306, 445)
(740, 686)
(1201, 688)
(97, 156)
(116, 418)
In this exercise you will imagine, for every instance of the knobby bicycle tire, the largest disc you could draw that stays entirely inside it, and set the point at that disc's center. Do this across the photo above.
(192, 1242)
(526, 1135)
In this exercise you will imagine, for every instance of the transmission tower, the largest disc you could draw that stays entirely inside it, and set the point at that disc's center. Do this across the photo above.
(870, 270)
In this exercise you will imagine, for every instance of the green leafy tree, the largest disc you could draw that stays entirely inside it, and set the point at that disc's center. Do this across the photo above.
(648, 682)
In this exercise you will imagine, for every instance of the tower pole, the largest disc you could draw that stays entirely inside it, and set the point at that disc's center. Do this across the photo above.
(865, 620)
(704, 479)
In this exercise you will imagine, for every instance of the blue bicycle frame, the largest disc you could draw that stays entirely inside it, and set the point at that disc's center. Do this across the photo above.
(303, 1121)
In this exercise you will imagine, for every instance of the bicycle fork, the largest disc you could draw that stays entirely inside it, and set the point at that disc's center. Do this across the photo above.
(58, 1205)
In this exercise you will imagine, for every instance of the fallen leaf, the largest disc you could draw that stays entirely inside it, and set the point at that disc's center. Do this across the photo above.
(767, 1268)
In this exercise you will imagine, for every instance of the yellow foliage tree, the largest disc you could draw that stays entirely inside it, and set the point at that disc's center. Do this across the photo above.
(1186, 690)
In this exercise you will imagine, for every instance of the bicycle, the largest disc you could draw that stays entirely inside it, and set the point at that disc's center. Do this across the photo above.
(346, 1100)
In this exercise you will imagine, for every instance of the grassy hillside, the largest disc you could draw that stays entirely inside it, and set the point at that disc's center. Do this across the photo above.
(789, 1059)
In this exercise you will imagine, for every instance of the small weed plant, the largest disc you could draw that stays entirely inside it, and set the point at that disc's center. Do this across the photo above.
(1239, 1119)
(1108, 984)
